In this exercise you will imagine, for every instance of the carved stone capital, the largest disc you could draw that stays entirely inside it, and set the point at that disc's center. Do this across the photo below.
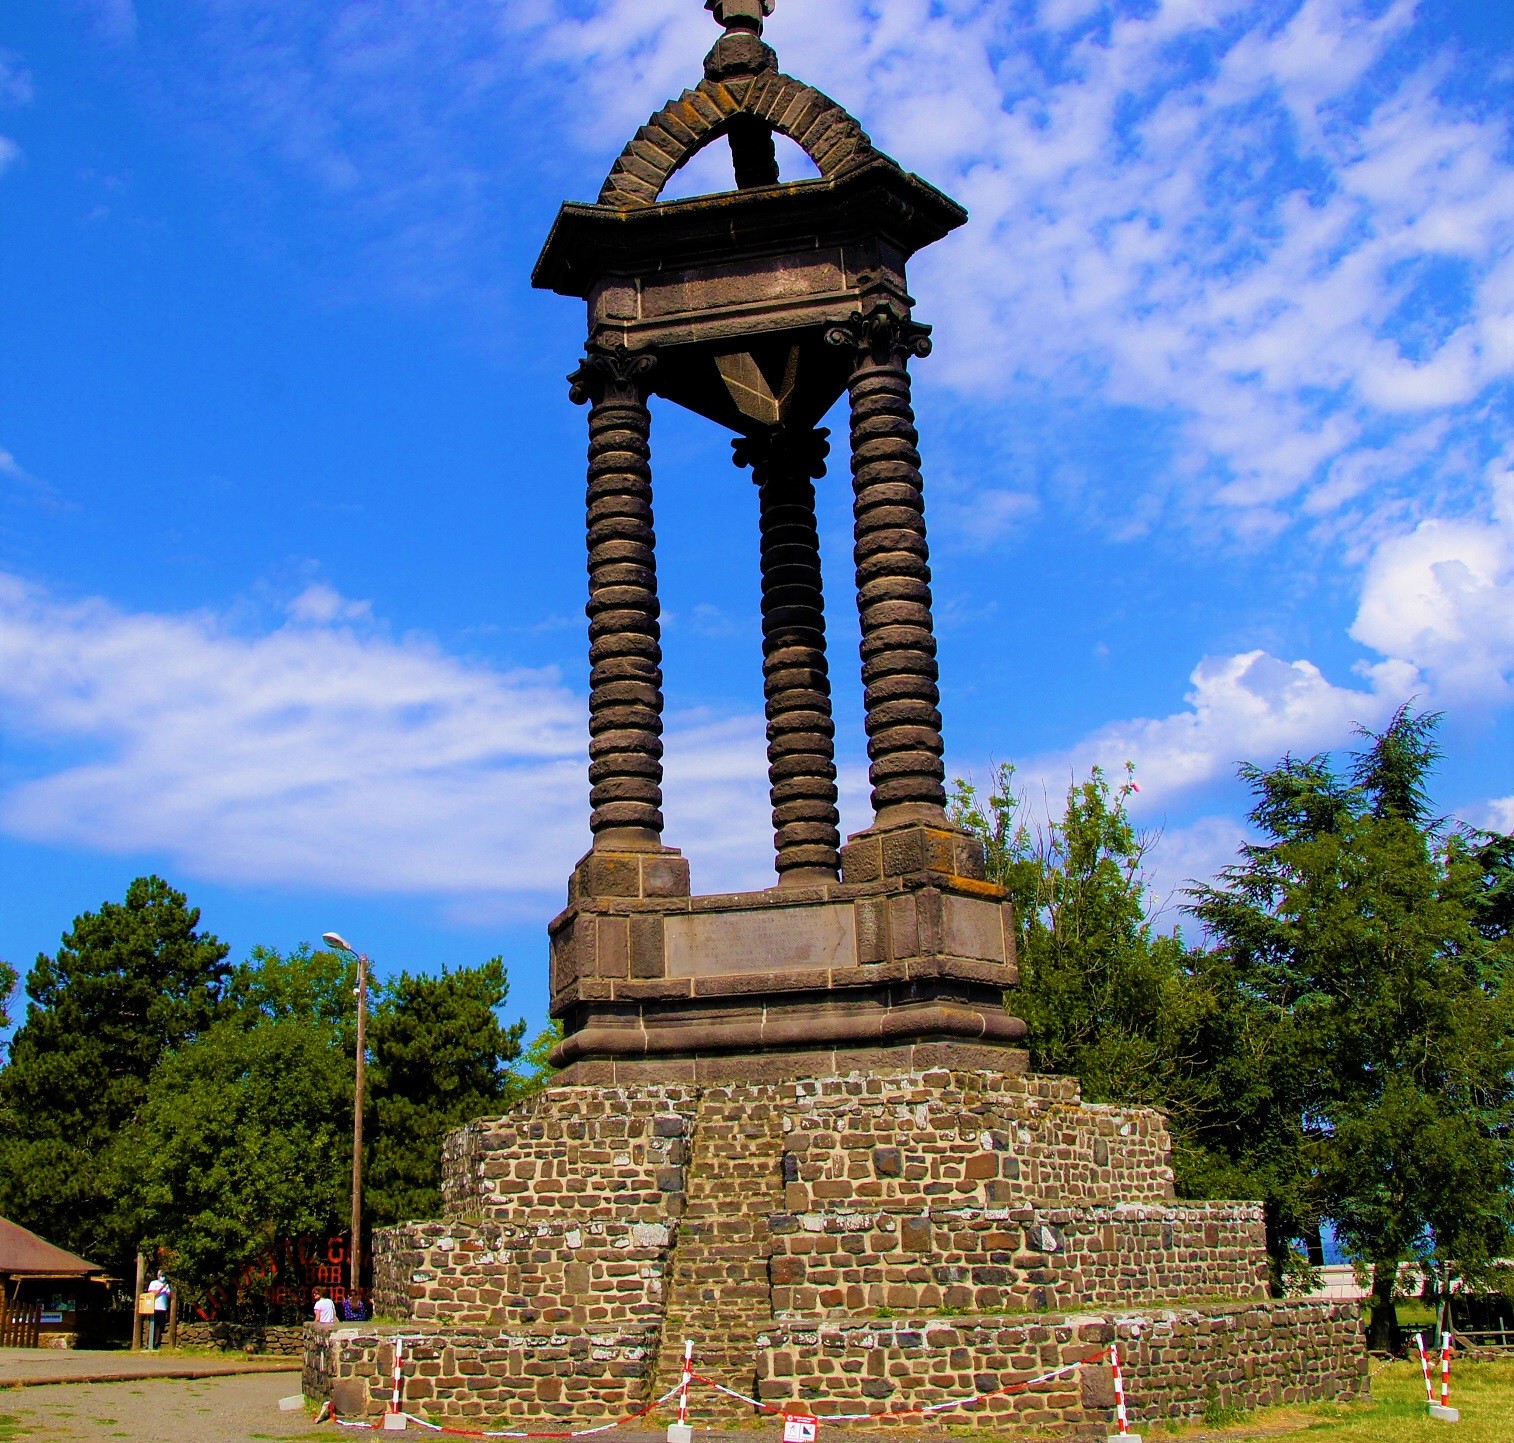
(612, 373)
(795, 454)
(882, 330)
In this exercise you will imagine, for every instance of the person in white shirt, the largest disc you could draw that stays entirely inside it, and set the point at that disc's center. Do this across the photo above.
(325, 1309)
(161, 1292)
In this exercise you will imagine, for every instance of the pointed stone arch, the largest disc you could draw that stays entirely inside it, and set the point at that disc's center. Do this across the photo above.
(830, 136)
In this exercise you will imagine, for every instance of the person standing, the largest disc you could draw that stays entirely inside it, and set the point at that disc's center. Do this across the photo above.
(325, 1309)
(161, 1291)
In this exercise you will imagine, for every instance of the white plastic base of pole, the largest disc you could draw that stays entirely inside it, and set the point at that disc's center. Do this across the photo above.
(1445, 1415)
(394, 1423)
(1123, 1438)
(680, 1433)
(292, 1404)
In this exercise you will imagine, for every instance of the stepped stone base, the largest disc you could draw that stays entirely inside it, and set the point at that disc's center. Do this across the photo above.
(592, 1229)
(1177, 1362)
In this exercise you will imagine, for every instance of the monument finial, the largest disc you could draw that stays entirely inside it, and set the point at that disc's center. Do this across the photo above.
(741, 14)
(740, 51)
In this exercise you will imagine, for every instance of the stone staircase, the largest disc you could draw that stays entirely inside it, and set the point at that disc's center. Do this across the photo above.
(719, 1293)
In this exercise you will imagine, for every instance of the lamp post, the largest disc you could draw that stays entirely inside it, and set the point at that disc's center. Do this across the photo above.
(355, 1256)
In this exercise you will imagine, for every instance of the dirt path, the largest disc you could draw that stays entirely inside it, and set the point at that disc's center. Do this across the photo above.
(48, 1365)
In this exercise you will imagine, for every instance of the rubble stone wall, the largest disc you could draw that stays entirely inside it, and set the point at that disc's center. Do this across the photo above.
(969, 1137)
(568, 1271)
(472, 1373)
(280, 1340)
(988, 1260)
(1175, 1363)
(589, 1153)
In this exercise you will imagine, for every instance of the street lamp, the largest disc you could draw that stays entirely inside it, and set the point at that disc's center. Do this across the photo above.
(355, 1257)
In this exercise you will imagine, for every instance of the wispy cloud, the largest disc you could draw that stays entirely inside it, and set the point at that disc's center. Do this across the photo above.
(15, 80)
(15, 90)
(325, 753)
(1289, 233)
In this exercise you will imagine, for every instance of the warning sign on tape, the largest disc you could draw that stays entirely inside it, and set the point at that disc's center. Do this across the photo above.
(800, 1427)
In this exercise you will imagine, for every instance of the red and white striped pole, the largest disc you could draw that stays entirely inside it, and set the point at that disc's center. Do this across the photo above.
(680, 1432)
(688, 1374)
(1424, 1364)
(1122, 1419)
(394, 1419)
(1443, 1411)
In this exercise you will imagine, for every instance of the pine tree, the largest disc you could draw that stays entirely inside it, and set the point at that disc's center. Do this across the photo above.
(129, 984)
(1379, 944)
(440, 1058)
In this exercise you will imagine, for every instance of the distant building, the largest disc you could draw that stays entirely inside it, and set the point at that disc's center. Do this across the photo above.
(45, 1290)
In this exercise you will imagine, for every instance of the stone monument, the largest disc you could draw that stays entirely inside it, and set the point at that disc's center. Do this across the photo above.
(796, 1125)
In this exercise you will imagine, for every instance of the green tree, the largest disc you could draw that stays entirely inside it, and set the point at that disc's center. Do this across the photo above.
(243, 1140)
(440, 1058)
(130, 983)
(8, 980)
(1101, 991)
(317, 986)
(1134, 1014)
(1377, 942)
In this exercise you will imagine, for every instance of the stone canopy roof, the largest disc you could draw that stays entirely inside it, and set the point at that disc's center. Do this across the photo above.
(828, 134)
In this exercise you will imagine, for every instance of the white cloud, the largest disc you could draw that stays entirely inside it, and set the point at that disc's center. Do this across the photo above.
(10, 152)
(321, 605)
(1502, 814)
(323, 753)
(1442, 597)
(1437, 605)
(1231, 246)
(1250, 705)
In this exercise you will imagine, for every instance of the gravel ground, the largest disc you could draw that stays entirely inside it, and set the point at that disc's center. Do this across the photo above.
(209, 1410)
(245, 1409)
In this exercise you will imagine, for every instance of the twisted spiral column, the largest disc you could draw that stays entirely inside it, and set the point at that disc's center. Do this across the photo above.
(625, 647)
(795, 678)
(899, 672)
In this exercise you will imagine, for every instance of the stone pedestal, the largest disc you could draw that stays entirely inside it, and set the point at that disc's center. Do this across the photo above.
(902, 964)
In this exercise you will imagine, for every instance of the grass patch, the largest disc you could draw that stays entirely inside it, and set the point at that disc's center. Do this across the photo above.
(1394, 1414)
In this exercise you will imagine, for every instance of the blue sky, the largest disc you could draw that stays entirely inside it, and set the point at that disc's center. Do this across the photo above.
(1217, 433)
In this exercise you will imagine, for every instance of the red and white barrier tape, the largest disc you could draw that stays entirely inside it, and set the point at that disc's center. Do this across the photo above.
(518, 1433)
(681, 1390)
(906, 1412)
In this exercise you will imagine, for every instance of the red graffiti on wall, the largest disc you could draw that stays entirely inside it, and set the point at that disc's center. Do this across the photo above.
(287, 1277)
